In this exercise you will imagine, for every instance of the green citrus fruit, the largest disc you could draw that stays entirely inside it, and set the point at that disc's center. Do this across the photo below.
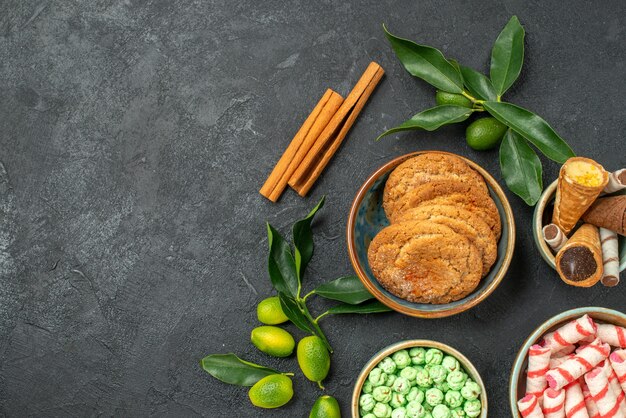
(270, 312)
(272, 391)
(325, 407)
(273, 341)
(444, 98)
(484, 133)
(313, 358)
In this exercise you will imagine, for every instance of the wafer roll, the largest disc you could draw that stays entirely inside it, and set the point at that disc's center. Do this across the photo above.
(610, 258)
(605, 399)
(618, 362)
(538, 365)
(608, 212)
(575, 401)
(554, 403)
(592, 409)
(569, 334)
(614, 385)
(528, 406)
(580, 182)
(617, 181)
(554, 237)
(592, 355)
(579, 262)
(557, 361)
(612, 335)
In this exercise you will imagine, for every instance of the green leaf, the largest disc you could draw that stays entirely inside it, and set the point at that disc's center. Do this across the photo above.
(281, 264)
(432, 119)
(345, 289)
(457, 66)
(363, 308)
(478, 84)
(531, 127)
(427, 63)
(232, 370)
(507, 56)
(520, 167)
(303, 239)
(293, 312)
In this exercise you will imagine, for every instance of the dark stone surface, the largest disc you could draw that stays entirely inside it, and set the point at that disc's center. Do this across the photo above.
(134, 136)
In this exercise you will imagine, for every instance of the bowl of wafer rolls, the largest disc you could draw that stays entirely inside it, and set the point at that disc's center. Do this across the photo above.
(573, 365)
(580, 222)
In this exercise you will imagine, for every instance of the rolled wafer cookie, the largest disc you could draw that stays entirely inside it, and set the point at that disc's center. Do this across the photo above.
(605, 399)
(610, 258)
(618, 362)
(592, 409)
(575, 401)
(588, 358)
(529, 407)
(557, 361)
(579, 262)
(608, 212)
(580, 182)
(611, 334)
(538, 365)
(617, 181)
(554, 237)
(564, 338)
(614, 385)
(554, 403)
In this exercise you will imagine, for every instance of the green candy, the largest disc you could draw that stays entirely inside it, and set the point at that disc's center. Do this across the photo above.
(450, 363)
(427, 415)
(418, 355)
(367, 402)
(377, 377)
(456, 379)
(441, 411)
(390, 379)
(370, 415)
(409, 373)
(398, 413)
(444, 386)
(458, 413)
(415, 395)
(402, 385)
(397, 400)
(414, 409)
(453, 398)
(428, 407)
(422, 378)
(382, 394)
(434, 396)
(434, 356)
(382, 410)
(437, 373)
(472, 408)
(401, 358)
(387, 365)
(471, 390)
(367, 387)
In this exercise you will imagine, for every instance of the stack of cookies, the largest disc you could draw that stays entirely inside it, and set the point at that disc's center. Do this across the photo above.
(444, 230)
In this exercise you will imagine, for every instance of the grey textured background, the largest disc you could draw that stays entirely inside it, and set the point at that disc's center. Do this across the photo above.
(134, 136)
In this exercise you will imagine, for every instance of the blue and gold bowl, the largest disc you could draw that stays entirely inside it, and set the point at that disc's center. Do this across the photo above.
(367, 218)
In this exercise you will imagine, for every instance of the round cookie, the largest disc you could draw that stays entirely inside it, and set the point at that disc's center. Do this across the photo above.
(462, 222)
(425, 262)
(424, 168)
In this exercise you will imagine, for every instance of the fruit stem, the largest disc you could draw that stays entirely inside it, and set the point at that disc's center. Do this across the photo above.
(469, 96)
(318, 330)
(321, 316)
(312, 292)
(319, 383)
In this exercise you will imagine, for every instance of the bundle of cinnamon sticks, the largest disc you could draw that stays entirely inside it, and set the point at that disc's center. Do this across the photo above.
(319, 137)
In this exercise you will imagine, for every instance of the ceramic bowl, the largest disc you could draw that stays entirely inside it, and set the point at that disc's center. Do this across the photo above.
(367, 218)
(517, 381)
(404, 345)
(543, 216)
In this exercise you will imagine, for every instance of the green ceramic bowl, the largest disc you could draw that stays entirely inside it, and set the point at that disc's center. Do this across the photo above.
(517, 381)
(543, 216)
(367, 218)
(403, 345)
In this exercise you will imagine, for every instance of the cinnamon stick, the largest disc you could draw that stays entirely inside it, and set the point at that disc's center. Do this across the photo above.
(319, 157)
(300, 145)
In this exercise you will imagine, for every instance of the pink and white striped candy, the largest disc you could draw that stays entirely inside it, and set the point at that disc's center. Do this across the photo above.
(592, 409)
(614, 385)
(585, 360)
(618, 362)
(605, 399)
(612, 335)
(575, 401)
(554, 403)
(570, 333)
(538, 365)
(528, 406)
(557, 361)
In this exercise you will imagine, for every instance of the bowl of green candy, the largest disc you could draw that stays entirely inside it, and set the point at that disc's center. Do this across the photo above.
(419, 379)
